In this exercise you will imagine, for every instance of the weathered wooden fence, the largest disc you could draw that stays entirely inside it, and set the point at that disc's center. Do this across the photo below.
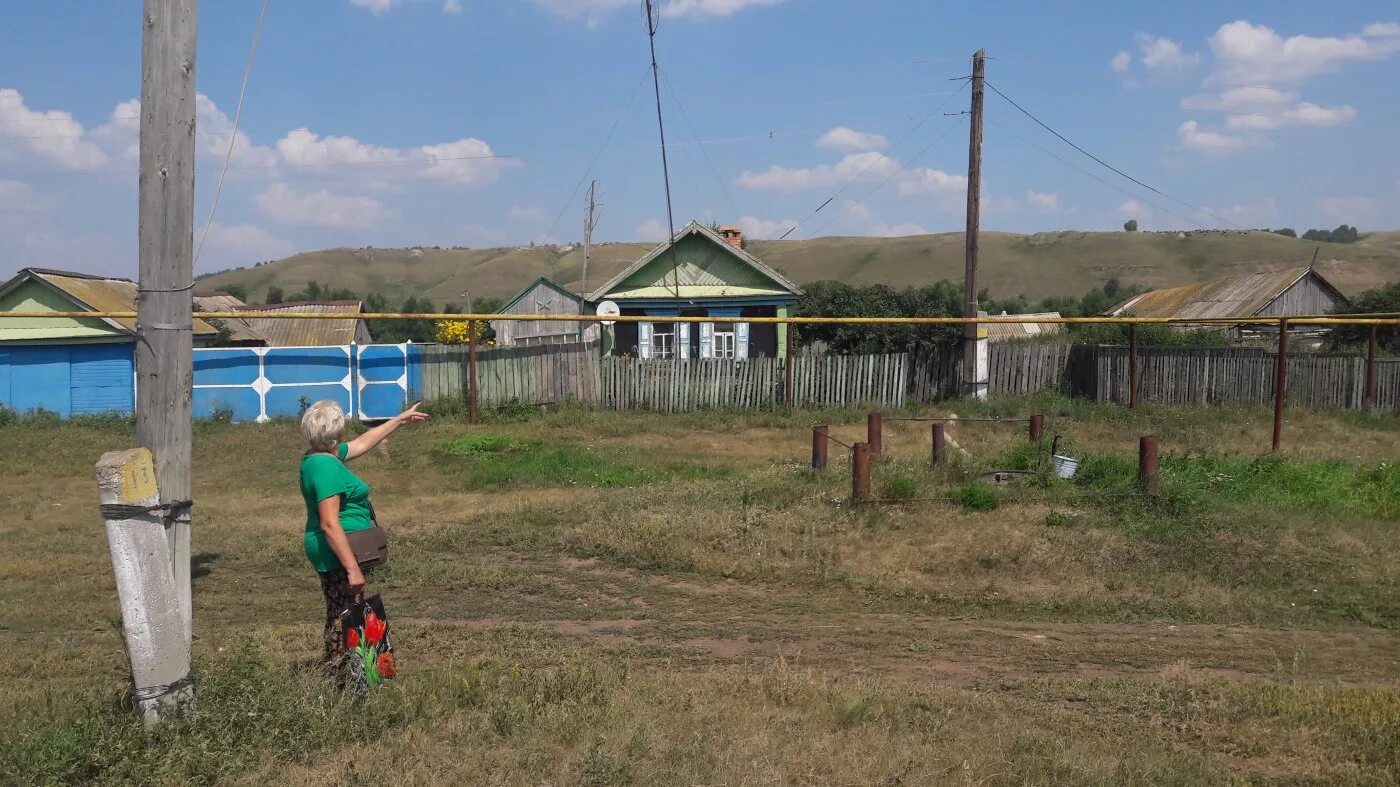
(1166, 375)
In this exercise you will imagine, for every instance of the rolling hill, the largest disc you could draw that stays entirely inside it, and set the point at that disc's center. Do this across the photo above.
(1048, 263)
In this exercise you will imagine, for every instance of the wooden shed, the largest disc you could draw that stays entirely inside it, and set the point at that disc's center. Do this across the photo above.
(543, 296)
(1291, 292)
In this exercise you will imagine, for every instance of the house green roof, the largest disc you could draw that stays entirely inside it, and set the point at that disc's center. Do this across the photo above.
(700, 264)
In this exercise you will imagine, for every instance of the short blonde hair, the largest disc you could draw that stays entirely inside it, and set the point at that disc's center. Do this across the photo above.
(322, 425)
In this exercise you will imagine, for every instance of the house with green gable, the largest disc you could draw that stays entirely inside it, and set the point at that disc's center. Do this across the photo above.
(700, 273)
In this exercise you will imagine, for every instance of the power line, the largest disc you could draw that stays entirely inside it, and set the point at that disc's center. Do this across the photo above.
(1066, 140)
(233, 140)
(883, 155)
(597, 155)
(1082, 171)
(695, 137)
(652, 20)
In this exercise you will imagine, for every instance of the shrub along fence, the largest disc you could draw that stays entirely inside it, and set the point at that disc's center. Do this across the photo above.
(575, 372)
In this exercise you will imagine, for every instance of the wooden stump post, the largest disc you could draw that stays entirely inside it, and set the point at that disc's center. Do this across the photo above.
(153, 622)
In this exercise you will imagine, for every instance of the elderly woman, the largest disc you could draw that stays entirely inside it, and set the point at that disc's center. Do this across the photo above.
(337, 502)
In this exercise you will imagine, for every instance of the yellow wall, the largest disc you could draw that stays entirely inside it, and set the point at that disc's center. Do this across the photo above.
(35, 297)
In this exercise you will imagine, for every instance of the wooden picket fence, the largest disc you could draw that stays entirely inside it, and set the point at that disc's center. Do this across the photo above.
(554, 374)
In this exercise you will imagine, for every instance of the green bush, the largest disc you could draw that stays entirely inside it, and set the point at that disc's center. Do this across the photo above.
(898, 487)
(977, 497)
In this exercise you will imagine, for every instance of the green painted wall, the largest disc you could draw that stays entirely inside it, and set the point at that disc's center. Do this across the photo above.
(699, 262)
(35, 297)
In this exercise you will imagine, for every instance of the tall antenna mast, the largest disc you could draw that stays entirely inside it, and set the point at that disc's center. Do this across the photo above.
(590, 219)
(652, 20)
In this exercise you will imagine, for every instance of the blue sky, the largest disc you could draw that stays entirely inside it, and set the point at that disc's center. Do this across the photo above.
(367, 121)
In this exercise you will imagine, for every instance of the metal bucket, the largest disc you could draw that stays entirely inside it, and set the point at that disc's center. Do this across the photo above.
(1063, 466)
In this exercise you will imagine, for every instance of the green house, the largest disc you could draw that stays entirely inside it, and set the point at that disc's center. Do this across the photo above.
(700, 273)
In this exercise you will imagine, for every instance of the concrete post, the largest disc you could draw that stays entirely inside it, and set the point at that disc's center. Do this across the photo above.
(153, 623)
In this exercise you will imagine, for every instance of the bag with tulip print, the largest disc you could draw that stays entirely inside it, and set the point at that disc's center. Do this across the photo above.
(369, 649)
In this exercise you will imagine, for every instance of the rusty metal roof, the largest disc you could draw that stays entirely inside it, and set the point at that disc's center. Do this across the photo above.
(1228, 296)
(305, 333)
(102, 294)
(240, 330)
(1006, 331)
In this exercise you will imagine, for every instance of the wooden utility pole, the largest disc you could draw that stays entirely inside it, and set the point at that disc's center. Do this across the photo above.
(164, 304)
(590, 220)
(974, 219)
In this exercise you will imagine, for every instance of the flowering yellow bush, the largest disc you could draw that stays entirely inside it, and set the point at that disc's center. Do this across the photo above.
(460, 332)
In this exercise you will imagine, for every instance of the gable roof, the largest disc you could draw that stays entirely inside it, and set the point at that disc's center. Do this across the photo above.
(240, 329)
(305, 333)
(546, 281)
(94, 293)
(696, 228)
(1228, 296)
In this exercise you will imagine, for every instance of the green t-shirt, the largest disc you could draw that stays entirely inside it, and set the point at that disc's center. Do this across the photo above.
(323, 476)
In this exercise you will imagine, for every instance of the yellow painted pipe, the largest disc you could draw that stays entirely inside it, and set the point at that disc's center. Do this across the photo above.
(1009, 319)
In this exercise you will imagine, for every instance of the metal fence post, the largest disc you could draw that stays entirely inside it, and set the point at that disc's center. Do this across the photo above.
(860, 472)
(787, 368)
(1132, 366)
(1280, 381)
(1147, 464)
(875, 433)
(820, 445)
(1037, 428)
(939, 446)
(1370, 395)
(471, 369)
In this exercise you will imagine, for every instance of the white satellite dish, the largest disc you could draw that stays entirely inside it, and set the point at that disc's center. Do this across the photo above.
(608, 309)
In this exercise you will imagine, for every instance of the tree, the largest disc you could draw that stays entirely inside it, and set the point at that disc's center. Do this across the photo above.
(838, 299)
(238, 291)
(1385, 300)
(275, 295)
(1342, 234)
(1130, 225)
(1285, 231)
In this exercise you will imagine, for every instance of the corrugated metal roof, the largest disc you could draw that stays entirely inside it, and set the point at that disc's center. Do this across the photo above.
(306, 333)
(240, 330)
(1006, 331)
(1228, 296)
(103, 295)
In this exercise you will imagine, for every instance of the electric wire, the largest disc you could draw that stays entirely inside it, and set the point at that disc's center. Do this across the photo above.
(233, 140)
(1105, 164)
(708, 161)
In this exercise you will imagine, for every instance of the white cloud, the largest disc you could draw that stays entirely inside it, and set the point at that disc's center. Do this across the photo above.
(1132, 209)
(677, 9)
(1121, 62)
(1304, 114)
(17, 196)
(897, 230)
(452, 7)
(242, 244)
(285, 205)
(466, 162)
(651, 231)
(52, 134)
(1043, 200)
(1246, 98)
(856, 165)
(925, 180)
(1166, 56)
(1349, 209)
(375, 6)
(763, 228)
(1193, 137)
(1249, 53)
(519, 213)
(843, 138)
(856, 210)
(215, 128)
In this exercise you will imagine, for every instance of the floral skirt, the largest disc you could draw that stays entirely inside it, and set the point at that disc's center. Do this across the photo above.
(348, 673)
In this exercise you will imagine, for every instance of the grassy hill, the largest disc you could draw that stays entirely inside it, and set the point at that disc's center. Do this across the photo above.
(1049, 263)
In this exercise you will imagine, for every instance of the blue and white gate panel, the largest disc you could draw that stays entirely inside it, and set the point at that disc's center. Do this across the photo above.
(260, 383)
(382, 380)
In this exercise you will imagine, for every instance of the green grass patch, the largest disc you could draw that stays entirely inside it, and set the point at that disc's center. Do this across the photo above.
(488, 460)
(977, 497)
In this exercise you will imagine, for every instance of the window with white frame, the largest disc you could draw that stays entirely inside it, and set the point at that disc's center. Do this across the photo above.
(663, 340)
(724, 346)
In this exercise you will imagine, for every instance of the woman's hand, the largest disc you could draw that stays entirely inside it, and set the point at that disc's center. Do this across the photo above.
(411, 415)
(355, 579)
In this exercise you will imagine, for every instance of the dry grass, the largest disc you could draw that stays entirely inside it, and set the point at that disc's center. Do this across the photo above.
(727, 618)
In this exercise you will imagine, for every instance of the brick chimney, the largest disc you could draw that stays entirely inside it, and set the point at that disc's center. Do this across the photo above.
(734, 234)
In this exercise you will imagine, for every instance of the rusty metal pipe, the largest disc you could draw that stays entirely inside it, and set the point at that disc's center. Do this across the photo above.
(1147, 464)
(1037, 427)
(1280, 382)
(939, 447)
(875, 433)
(860, 473)
(1132, 367)
(820, 445)
(471, 372)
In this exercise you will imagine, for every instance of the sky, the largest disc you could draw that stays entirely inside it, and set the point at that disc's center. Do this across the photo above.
(479, 122)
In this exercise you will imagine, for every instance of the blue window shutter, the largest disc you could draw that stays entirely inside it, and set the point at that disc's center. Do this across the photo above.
(707, 340)
(643, 340)
(683, 339)
(741, 340)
